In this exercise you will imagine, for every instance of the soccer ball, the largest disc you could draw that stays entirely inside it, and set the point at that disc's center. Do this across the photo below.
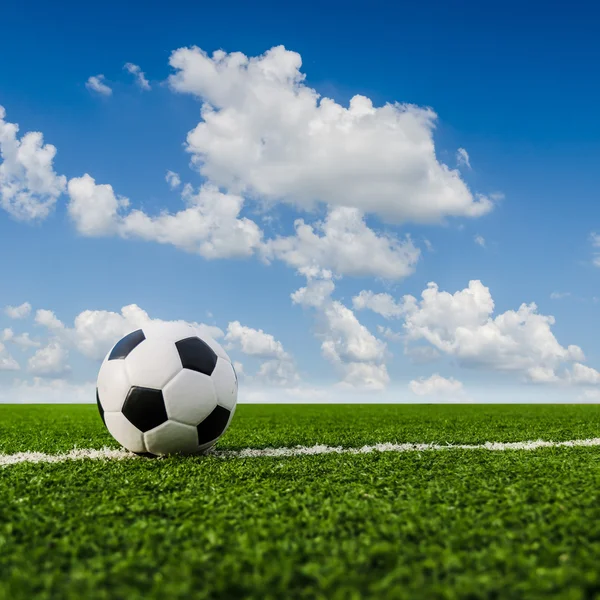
(167, 389)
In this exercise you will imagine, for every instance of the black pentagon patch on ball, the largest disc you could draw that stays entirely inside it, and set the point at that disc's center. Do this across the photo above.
(145, 408)
(196, 355)
(124, 346)
(213, 426)
(100, 409)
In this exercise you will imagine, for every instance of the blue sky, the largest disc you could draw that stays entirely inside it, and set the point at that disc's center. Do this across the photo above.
(514, 87)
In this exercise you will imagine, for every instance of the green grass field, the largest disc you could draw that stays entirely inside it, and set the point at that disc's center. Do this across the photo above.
(439, 524)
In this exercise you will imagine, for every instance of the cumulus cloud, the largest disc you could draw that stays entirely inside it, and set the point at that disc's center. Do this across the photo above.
(382, 304)
(542, 375)
(583, 375)
(51, 360)
(7, 362)
(436, 385)
(345, 342)
(173, 179)
(462, 158)
(210, 225)
(348, 340)
(266, 137)
(267, 134)
(389, 334)
(278, 366)
(97, 84)
(140, 77)
(95, 331)
(345, 244)
(254, 342)
(212, 331)
(48, 319)
(317, 293)
(480, 240)
(213, 227)
(18, 312)
(22, 339)
(94, 208)
(29, 186)
(462, 325)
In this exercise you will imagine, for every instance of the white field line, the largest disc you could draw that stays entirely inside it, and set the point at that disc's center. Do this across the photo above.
(111, 454)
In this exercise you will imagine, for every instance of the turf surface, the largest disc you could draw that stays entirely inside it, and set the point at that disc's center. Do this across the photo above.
(451, 524)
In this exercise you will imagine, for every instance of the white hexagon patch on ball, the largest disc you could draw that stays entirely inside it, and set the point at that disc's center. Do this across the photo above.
(167, 389)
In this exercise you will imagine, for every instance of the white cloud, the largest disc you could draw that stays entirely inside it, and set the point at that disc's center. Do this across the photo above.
(349, 340)
(345, 244)
(140, 77)
(542, 375)
(559, 295)
(346, 343)
(94, 208)
(382, 304)
(209, 226)
(50, 360)
(583, 375)
(212, 331)
(23, 340)
(278, 372)
(267, 134)
(389, 334)
(7, 362)
(254, 342)
(96, 84)
(366, 376)
(95, 331)
(18, 312)
(462, 158)
(278, 367)
(480, 240)
(48, 319)
(317, 292)
(436, 385)
(29, 186)
(173, 179)
(462, 326)
(578, 374)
